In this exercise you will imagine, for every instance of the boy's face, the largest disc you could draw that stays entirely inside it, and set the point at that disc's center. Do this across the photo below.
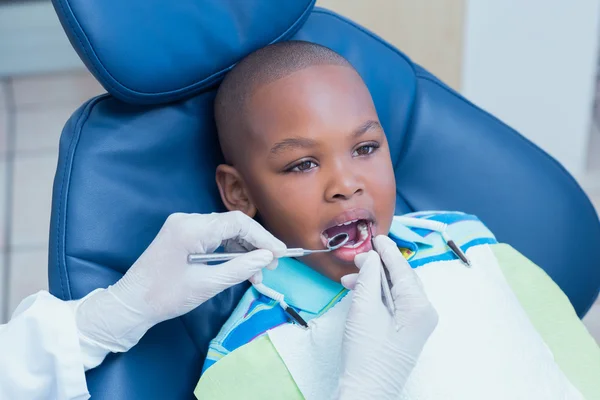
(315, 163)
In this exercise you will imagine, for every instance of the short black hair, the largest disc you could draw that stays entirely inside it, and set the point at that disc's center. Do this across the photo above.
(261, 67)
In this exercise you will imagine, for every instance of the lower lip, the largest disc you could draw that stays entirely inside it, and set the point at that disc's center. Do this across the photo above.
(347, 254)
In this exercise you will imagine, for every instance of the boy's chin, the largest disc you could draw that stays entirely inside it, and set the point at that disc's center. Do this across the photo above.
(332, 266)
(336, 273)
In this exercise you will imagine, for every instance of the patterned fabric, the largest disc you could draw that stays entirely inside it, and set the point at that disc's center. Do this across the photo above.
(466, 231)
(311, 294)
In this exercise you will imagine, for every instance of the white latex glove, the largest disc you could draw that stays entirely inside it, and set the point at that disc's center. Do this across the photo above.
(161, 284)
(380, 351)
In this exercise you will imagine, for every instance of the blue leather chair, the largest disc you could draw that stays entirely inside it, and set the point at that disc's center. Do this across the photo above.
(148, 148)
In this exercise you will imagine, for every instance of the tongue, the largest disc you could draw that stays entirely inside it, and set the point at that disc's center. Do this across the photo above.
(351, 230)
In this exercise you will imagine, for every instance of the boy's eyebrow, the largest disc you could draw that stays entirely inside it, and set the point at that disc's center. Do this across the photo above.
(292, 143)
(366, 127)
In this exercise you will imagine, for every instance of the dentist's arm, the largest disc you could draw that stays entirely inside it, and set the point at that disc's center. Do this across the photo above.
(49, 343)
(380, 350)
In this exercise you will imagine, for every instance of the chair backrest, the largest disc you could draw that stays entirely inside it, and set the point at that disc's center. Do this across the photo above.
(130, 158)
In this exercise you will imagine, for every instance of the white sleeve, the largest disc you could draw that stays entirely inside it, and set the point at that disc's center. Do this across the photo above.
(40, 353)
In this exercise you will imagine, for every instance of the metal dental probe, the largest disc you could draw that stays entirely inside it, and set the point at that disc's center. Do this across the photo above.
(387, 294)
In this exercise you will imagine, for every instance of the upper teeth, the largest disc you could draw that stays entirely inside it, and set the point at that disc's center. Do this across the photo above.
(348, 223)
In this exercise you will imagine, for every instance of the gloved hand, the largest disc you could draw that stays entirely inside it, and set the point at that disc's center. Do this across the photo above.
(380, 350)
(161, 284)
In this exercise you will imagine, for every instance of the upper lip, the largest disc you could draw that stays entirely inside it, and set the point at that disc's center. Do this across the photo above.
(349, 215)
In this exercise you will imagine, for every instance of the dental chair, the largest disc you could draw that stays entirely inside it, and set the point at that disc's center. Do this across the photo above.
(149, 148)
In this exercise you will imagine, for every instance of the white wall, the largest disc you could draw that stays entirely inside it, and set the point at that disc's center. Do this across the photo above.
(532, 63)
(430, 32)
(32, 40)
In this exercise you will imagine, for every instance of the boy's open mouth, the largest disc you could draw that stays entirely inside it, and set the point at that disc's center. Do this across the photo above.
(359, 238)
(357, 231)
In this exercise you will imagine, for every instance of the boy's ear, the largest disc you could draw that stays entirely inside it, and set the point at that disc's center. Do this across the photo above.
(234, 193)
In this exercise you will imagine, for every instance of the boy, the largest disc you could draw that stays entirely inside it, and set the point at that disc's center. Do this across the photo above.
(307, 157)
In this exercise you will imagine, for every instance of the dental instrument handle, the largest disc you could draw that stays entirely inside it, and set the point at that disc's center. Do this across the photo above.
(387, 293)
(220, 257)
(296, 252)
(211, 257)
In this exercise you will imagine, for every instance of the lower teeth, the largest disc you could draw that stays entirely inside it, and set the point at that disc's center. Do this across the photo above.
(363, 235)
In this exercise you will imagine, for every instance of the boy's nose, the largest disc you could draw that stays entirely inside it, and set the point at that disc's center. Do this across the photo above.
(344, 183)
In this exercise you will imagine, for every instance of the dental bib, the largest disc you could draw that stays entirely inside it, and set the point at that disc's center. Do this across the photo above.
(484, 346)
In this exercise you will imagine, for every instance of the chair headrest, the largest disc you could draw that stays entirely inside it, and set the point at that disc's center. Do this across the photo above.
(155, 52)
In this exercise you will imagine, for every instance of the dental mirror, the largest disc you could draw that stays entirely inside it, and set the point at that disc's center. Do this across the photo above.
(337, 241)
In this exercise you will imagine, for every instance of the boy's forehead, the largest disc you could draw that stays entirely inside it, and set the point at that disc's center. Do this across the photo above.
(308, 103)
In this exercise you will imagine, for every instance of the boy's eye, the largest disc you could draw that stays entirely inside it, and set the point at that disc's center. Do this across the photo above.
(365, 150)
(303, 166)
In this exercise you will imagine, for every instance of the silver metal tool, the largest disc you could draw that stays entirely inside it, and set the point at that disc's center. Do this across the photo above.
(385, 285)
(332, 244)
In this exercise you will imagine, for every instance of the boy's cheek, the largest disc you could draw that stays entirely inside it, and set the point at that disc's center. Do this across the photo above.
(293, 228)
(289, 214)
